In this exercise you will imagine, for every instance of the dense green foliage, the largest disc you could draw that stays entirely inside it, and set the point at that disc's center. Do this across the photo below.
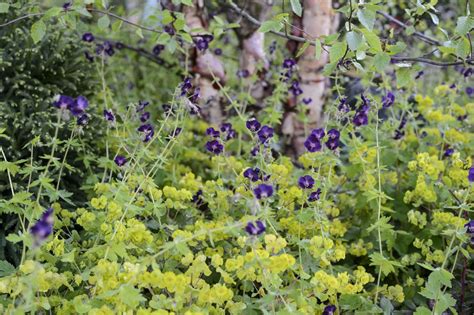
(154, 210)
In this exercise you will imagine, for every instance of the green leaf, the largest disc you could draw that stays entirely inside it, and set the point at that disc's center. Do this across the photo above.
(403, 77)
(464, 24)
(317, 49)
(6, 268)
(463, 47)
(385, 265)
(139, 33)
(381, 60)
(14, 238)
(296, 7)
(52, 12)
(366, 18)
(373, 40)
(268, 26)
(302, 49)
(337, 51)
(354, 40)
(422, 310)
(4, 7)
(130, 296)
(103, 22)
(38, 30)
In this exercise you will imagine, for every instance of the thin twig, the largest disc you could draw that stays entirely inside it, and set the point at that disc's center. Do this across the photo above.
(422, 36)
(432, 62)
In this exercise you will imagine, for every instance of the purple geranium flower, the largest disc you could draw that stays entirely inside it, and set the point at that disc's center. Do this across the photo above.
(202, 44)
(469, 91)
(255, 229)
(226, 127)
(63, 101)
(120, 160)
(307, 100)
(329, 310)
(318, 133)
(295, 88)
(244, 73)
(43, 227)
(360, 119)
(388, 100)
(212, 132)
(109, 115)
(448, 152)
(218, 51)
(186, 85)
(83, 119)
(79, 105)
(88, 37)
(312, 143)
(253, 125)
(289, 63)
(214, 146)
(148, 131)
(313, 196)
(144, 116)
(470, 177)
(306, 182)
(265, 133)
(263, 191)
(252, 173)
(141, 105)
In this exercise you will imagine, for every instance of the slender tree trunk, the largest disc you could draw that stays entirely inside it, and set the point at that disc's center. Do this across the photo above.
(318, 20)
(206, 66)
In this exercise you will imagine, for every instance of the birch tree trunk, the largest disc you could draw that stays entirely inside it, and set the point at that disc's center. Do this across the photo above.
(206, 66)
(318, 20)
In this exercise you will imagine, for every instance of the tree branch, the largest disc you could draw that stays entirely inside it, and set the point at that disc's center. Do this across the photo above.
(433, 62)
(422, 36)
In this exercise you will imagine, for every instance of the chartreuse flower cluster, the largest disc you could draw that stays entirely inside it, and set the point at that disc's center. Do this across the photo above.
(361, 222)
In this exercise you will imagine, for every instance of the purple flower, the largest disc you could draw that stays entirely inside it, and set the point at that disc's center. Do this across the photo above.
(109, 115)
(88, 37)
(470, 177)
(67, 5)
(255, 229)
(252, 173)
(329, 310)
(231, 134)
(289, 63)
(185, 86)
(79, 105)
(202, 44)
(218, 51)
(109, 48)
(313, 196)
(469, 91)
(470, 227)
(332, 144)
(158, 49)
(120, 160)
(343, 106)
(43, 227)
(63, 101)
(226, 127)
(307, 101)
(360, 119)
(214, 146)
(141, 105)
(318, 133)
(388, 100)
(83, 119)
(448, 152)
(468, 72)
(255, 150)
(265, 133)
(148, 132)
(212, 132)
(365, 101)
(334, 134)
(306, 182)
(263, 191)
(244, 73)
(295, 88)
(253, 124)
(144, 116)
(312, 143)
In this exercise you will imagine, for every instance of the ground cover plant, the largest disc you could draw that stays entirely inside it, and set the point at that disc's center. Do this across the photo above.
(236, 157)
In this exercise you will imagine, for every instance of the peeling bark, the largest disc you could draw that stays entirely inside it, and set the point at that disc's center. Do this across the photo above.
(206, 65)
(318, 20)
